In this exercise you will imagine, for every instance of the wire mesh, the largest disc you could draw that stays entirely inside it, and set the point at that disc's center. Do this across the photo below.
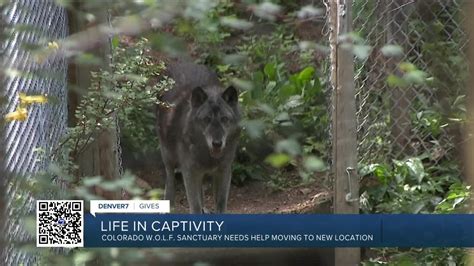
(29, 143)
(2, 147)
(328, 71)
(399, 121)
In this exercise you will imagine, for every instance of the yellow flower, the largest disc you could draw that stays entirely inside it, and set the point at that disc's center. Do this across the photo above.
(53, 45)
(21, 114)
(27, 100)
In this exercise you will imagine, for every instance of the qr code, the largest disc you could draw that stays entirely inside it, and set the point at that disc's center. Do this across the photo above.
(60, 223)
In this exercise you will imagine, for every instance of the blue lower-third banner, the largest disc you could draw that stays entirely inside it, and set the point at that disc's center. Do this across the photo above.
(267, 230)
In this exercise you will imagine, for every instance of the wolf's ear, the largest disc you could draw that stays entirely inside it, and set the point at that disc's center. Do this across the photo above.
(198, 97)
(231, 96)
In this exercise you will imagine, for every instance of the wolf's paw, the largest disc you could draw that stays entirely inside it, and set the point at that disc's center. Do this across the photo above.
(206, 211)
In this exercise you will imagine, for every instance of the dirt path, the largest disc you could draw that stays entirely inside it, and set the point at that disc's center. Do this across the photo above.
(252, 197)
(257, 197)
(245, 256)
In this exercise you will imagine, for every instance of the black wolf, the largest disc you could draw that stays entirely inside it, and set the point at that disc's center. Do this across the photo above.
(198, 133)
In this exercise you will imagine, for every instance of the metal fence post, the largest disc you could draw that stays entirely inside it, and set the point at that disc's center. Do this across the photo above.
(3, 179)
(346, 185)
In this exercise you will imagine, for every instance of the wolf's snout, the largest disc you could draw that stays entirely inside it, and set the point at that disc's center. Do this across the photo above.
(216, 148)
(217, 144)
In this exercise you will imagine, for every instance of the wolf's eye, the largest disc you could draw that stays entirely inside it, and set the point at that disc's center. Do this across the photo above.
(207, 119)
(224, 119)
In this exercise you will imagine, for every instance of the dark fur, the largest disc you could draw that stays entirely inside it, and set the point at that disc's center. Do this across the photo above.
(198, 133)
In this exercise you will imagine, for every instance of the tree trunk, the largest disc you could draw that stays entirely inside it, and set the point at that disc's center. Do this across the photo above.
(99, 158)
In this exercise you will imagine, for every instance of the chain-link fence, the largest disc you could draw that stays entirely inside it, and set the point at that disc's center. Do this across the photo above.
(29, 143)
(398, 115)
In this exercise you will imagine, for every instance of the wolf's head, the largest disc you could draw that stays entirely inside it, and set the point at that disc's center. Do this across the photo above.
(215, 117)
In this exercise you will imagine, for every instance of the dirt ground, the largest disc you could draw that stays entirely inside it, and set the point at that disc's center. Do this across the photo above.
(252, 197)
(256, 197)
(244, 256)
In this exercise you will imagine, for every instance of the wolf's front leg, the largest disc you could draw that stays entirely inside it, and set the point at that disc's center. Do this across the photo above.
(193, 186)
(170, 186)
(221, 187)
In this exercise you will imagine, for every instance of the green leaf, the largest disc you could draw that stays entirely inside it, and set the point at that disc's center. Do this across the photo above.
(270, 71)
(289, 146)
(314, 90)
(391, 50)
(416, 169)
(267, 10)
(404, 259)
(115, 41)
(236, 23)
(457, 201)
(381, 171)
(293, 102)
(82, 257)
(253, 127)
(383, 174)
(361, 51)
(282, 118)
(287, 90)
(306, 74)
(92, 181)
(367, 169)
(407, 67)
(234, 59)
(417, 207)
(223, 68)
(267, 109)
(351, 37)
(109, 186)
(278, 160)
(258, 77)
(271, 85)
(242, 84)
(395, 81)
(312, 164)
(415, 77)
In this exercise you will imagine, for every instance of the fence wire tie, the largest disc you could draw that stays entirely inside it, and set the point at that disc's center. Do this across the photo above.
(349, 197)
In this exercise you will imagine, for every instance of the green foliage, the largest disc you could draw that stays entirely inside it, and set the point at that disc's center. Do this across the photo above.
(418, 256)
(46, 184)
(208, 29)
(138, 94)
(285, 111)
(411, 76)
(428, 123)
(445, 54)
(429, 182)
(408, 187)
(285, 108)
(282, 97)
(125, 92)
(414, 185)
